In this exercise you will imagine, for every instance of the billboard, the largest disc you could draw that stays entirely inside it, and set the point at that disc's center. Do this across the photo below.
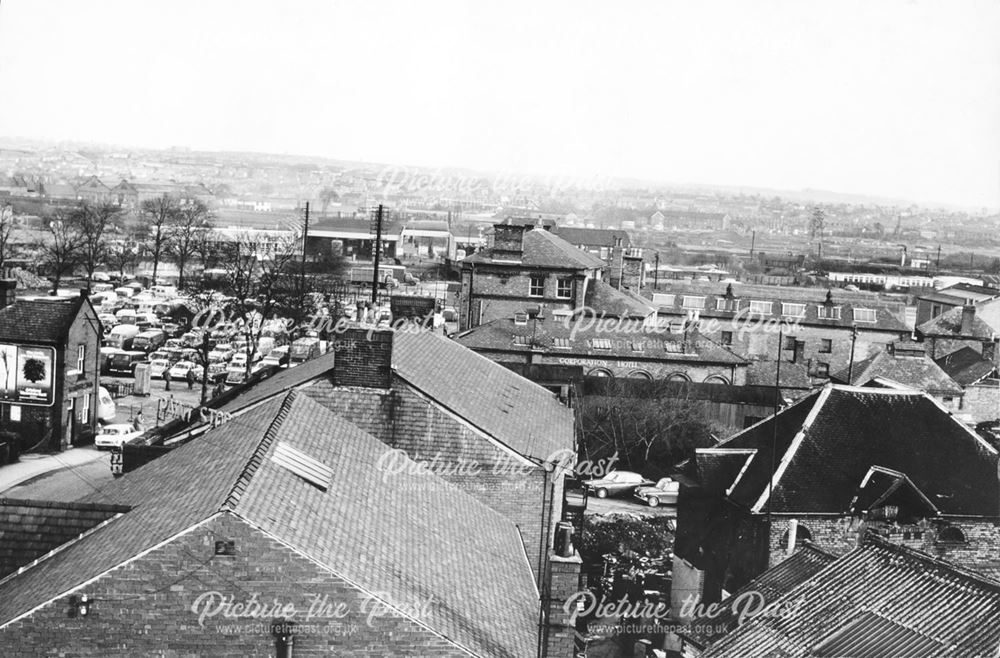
(27, 374)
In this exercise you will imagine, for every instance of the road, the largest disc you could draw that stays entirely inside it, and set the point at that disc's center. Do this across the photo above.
(597, 506)
(65, 484)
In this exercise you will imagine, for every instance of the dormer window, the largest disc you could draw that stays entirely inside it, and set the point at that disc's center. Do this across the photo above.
(829, 312)
(760, 307)
(864, 315)
(693, 303)
(521, 319)
(793, 310)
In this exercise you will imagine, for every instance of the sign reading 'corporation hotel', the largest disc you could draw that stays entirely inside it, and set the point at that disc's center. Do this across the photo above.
(570, 361)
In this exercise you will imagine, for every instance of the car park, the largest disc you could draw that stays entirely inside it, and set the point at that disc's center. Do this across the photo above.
(123, 364)
(180, 370)
(157, 367)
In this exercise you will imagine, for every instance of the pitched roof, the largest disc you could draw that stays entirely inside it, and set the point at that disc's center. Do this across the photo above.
(628, 340)
(918, 372)
(793, 375)
(966, 366)
(542, 248)
(827, 442)
(471, 563)
(39, 320)
(889, 316)
(517, 412)
(949, 325)
(805, 563)
(880, 599)
(606, 300)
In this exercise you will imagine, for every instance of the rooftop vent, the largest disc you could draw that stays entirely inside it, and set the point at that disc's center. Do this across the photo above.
(312, 471)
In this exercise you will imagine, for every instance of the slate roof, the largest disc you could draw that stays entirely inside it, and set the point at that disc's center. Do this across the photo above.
(918, 372)
(966, 366)
(805, 563)
(630, 342)
(517, 412)
(949, 325)
(889, 316)
(39, 320)
(880, 599)
(827, 442)
(542, 248)
(608, 301)
(31, 528)
(793, 375)
(424, 537)
(593, 237)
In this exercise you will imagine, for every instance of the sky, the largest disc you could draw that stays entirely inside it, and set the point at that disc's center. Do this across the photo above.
(891, 98)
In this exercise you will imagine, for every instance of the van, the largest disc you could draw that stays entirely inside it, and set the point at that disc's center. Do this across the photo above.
(122, 336)
(124, 292)
(123, 364)
(106, 354)
(149, 341)
(106, 409)
(303, 350)
(164, 292)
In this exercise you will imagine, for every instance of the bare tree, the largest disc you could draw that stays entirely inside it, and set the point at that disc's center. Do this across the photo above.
(91, 223)
(58, 249)
(157, 215)
(187, 230)
(263, 279)
(6, 228)
(124, 254)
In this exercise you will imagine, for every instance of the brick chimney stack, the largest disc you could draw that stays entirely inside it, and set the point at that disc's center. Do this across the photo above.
(508, 241)
(633, 272)
(363, 357)
(7, 287)
(968, 315)
(564, 582)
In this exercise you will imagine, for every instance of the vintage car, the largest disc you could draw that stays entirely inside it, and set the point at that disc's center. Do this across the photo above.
(663, 492)
(616, 483)
(114, 435)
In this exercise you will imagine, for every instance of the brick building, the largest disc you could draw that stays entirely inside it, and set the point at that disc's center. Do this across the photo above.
(440, 403)
(819, 328)
(61, 338)
(958, 328)
(845, 460)
(280, 529)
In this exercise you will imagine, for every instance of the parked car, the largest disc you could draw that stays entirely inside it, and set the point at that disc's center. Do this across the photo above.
(106, 408)
(173, 329)
(180, 370)
(664, 492)
(221, 352)
(616, 483)
(157, 367)
(114, 435)
(217, 372)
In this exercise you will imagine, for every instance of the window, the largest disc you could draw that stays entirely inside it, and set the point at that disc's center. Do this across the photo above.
(520, 318)
(935, 310)
(794, 310)
(678, 377)
(600, 343)
(561, 343)
(564, 288)
(825, 346)
(522, 341)
(637, 346)
(760, 308)
(663, 300)
(693, 302)
(789, 343)
(311, 470)
(85, 409)
(81, 357)
(951, 534)
(727, 338)
(600, 372)
(822, 369)
(536, 287)
(864, 315)
(802, 534)
(829, 312)
(724, 304)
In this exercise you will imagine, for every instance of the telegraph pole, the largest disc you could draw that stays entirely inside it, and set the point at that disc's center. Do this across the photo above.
(378, 253)
(753, 242)
(656, 272)
(305, 238)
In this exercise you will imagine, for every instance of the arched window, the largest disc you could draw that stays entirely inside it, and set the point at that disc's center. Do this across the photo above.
(952, 534)
(678, 377)
(640, 374)
(716, 379)
(802, 534)
(600, 372)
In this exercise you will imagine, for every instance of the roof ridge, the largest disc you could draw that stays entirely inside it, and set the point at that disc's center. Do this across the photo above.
(871, 538)
(232, 499)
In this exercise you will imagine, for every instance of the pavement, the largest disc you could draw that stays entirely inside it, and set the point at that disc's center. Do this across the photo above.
(32, 466)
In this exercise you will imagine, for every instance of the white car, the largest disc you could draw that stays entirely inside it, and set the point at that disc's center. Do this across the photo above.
(181, 369)
(114, 435)
(221, 352)
(157, 367)
(663, 492)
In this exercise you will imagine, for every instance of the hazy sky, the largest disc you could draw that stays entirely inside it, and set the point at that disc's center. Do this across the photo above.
(887, 98)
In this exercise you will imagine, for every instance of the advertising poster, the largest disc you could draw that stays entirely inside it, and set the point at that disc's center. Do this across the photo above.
(8, 373)
(34, 377)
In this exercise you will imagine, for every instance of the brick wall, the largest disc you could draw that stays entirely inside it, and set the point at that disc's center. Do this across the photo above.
(940, 347)
(982, 401)
(404, 419)
(363, 357)
(126, 619)
(840, 535)
(500, 292)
